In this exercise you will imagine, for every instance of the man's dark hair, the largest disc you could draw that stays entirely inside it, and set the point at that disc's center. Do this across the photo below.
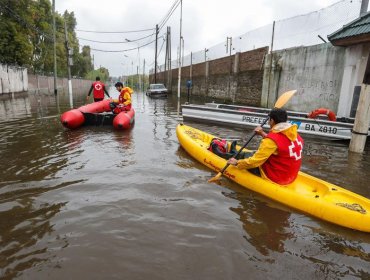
(97, 78)
(278, 115)
(118, 84)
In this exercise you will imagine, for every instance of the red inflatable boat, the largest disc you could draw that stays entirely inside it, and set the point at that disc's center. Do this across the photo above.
(97, 113)
(124, 120)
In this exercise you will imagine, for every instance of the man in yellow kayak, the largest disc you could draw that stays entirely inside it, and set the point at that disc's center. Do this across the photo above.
(279, 155)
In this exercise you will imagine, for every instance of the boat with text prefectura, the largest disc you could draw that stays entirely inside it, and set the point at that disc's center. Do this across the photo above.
(97, 113)
(308, 194)
(319, 123)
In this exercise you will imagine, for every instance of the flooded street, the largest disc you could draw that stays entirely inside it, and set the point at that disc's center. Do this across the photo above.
(96, 203)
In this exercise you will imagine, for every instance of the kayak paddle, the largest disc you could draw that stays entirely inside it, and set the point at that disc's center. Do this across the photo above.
(282, 100)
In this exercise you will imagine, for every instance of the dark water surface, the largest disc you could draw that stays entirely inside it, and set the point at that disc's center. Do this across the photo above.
(95, 203)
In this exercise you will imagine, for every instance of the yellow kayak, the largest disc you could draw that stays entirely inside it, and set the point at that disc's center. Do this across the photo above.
(307, 193)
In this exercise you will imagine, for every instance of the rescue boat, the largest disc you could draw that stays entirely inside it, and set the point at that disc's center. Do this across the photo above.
(320, 123)
(97, 113)
(124, 120)
(307, 193)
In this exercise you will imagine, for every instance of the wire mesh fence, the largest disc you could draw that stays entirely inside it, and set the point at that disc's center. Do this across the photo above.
(302, 30)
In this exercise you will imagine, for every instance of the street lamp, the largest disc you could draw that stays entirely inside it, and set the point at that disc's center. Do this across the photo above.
(205, 54)
(138, 53)
(125, 77)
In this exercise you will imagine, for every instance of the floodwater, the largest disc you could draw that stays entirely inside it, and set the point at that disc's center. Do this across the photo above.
(95, 203)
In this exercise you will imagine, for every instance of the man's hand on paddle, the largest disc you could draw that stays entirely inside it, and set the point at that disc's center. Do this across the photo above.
(232, 161)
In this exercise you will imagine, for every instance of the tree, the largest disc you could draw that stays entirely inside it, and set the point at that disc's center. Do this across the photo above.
(15, 47)
(102, 72)
(40, 38)
(26, 38)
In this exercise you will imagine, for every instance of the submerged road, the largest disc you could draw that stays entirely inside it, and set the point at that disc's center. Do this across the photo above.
(95, 203)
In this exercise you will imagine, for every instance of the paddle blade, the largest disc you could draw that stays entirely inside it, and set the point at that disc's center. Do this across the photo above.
(216, 178)
(284, 98)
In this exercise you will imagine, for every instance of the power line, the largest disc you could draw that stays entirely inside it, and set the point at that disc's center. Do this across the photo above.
(164, 40)
(126, 50)
(130, 31)
(116, 42)
(169, 14)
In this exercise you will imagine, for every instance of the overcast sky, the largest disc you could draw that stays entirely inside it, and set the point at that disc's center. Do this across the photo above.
(205, 23)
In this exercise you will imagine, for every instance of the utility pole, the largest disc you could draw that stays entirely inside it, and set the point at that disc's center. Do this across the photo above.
(364, 5)
(179, 76)
(138, 67)
(229, 44)
(144, 75)
(191, 66)
(155, 58)
(132, 74)
(270, 69)
(55, 52)
(68, 64)
(169, 68)
(137, 75)
(166, 66)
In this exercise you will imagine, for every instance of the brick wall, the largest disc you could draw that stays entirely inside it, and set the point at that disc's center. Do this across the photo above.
(241, 84)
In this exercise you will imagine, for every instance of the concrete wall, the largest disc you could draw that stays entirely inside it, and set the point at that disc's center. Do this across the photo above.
(315, 72)
(356, 58)
(16, 79)
(13, 79)
(324, 75)
(236, 78)
(45, 84)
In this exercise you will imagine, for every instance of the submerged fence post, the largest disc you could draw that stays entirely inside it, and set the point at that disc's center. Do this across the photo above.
(362, 121)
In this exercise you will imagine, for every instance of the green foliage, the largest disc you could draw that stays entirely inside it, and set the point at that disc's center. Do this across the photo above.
(133, 81)
(15, 48)
(102, 72)
(26, 38)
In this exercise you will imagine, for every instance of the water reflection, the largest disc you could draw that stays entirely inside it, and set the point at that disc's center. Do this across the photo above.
(14, 108)
(20, 235)
(266, 227)
(25, 224)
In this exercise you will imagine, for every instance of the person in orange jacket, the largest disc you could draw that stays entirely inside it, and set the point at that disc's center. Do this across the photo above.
(124, 99)
(99, 90)
(279, 155)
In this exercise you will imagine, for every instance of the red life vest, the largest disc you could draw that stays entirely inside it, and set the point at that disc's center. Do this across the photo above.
(221, 144)
(98, 89)
(283, 168)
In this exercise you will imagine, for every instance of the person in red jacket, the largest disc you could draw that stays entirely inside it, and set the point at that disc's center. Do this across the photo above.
(99, 89)
(279, 155)
(124, 99)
